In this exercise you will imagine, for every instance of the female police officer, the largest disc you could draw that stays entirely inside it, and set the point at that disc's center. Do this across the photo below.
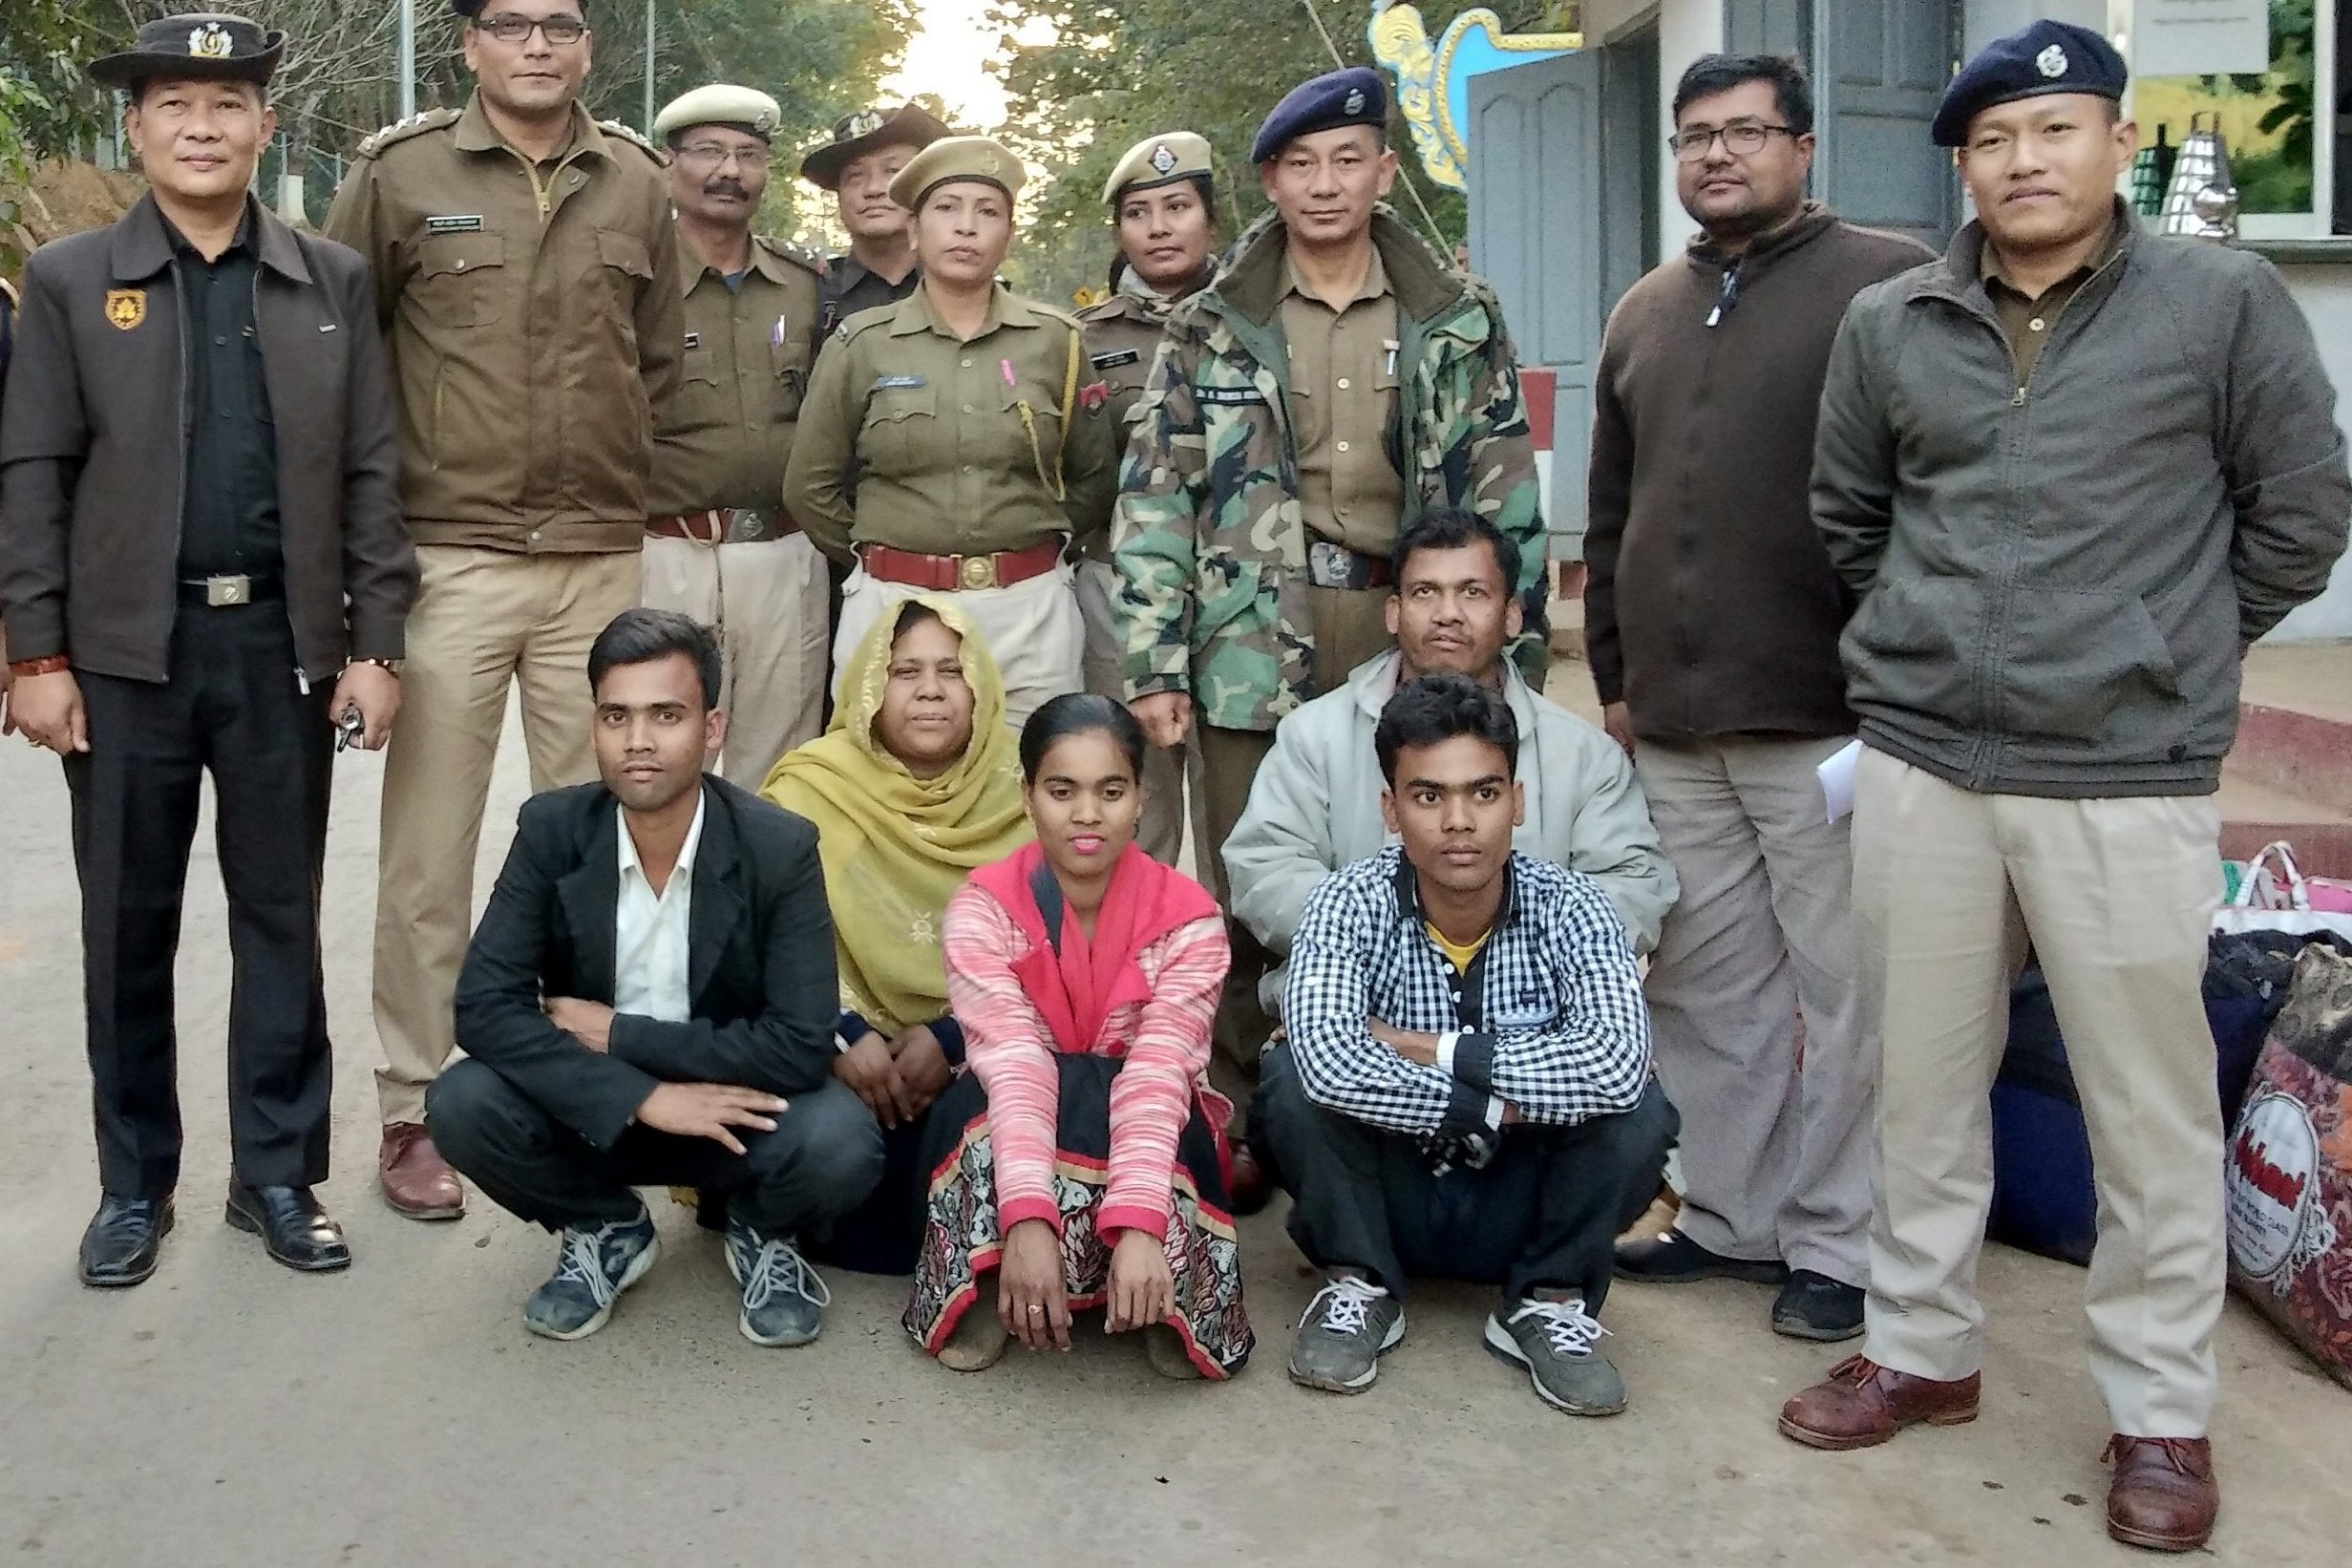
(952, 442)
(1163, 206)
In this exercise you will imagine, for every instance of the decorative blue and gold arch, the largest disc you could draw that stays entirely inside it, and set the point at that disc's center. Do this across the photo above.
(1433, 79)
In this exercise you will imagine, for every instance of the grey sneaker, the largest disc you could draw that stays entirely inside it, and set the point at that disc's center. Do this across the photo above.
(783, 1298)
(594, 1264)
(1347, 1328)
(1553, 1340)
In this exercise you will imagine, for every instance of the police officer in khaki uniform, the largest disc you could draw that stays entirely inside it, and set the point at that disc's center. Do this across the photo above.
(527, 275)
(866, 153)
(1162, 198)
(953, 442)
(719, 546)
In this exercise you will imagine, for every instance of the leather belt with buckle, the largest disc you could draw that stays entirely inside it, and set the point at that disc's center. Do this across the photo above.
(230, 589)
(1330, 566)
(955, 574)
(725, 525)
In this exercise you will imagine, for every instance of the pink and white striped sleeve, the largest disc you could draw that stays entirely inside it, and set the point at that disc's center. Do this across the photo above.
(1152, 1097)
(1006, 1045)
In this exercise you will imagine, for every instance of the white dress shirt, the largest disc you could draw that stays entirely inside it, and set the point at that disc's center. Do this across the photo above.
(649, 949)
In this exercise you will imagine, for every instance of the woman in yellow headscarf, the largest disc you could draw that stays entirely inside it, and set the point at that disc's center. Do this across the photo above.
(917, 782)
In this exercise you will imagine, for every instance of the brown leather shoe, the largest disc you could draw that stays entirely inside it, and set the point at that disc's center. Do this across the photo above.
(2164, 1495)
(1251, 1189)
(1864, 1404)
(417, 1182)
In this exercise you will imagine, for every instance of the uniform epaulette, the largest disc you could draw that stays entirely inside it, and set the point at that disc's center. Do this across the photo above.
(797, 255)
(1103, 309)
(400, 130)
(875, 315)
(614, 128)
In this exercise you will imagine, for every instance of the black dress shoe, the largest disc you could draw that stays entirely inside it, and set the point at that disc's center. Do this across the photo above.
(1813, 1306)
(1675, 1258)
(125, 1239)
(292, 1227)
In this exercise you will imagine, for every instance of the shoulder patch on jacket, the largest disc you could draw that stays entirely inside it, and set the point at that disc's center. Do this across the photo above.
(402, 130)
(800, 256)
(614, 128)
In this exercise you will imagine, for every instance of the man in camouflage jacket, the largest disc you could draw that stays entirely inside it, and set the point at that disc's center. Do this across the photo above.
(1209, 537)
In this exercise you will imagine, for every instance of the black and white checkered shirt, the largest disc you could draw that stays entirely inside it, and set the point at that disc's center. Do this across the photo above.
(1549, 1017)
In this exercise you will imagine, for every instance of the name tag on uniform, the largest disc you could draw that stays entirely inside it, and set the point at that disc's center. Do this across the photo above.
(896, 383)
(1229, 395)
(694, 340)
(1112, 361)
(464, 223)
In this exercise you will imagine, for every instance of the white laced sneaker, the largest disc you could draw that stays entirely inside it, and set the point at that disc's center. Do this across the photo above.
(1556, 1340)
(1346, 1329)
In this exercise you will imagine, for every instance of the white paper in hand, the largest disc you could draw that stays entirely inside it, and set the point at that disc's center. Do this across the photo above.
(1837, 779)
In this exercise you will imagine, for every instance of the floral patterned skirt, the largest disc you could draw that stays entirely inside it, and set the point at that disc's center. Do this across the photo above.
(961, 1241)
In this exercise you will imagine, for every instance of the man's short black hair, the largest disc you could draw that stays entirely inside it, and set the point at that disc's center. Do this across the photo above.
(641, 636)
(1453, 528)
(1438, 708)
(1792, 91)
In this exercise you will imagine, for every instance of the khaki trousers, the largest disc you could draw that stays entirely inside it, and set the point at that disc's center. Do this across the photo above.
(1167, 769)
(484, 620)
(2116, 897)
(769, 603)
(1775, 1158)
(1033, 628)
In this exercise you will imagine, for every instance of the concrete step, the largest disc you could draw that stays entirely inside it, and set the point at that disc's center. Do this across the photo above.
(2295, 723)
(2253, 815)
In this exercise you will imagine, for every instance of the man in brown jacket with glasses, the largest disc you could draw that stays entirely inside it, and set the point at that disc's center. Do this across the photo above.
(1712, 616)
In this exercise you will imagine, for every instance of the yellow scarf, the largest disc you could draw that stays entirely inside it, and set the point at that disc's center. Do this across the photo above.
(895, 847)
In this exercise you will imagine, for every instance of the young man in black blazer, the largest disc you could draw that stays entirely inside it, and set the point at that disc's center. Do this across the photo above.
(650, 999)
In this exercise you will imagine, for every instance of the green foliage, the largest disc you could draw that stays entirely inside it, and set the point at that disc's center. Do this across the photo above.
(1121, 70)
(42, 44)
(2279, 178)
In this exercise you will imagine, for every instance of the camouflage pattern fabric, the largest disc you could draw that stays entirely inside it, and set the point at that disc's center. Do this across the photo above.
(1208, 536)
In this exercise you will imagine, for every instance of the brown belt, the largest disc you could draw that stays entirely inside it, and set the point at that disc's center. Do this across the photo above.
(950, 574)
(717, 524)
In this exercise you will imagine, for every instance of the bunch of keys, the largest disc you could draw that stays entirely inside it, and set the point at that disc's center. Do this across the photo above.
(349, 728)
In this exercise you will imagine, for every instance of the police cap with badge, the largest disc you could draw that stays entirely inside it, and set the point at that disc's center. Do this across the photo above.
(951, 158)
(211, 44)
(868, 129)
(1354, 97)
(721, 104)
(2033, 62)
(1159, 160)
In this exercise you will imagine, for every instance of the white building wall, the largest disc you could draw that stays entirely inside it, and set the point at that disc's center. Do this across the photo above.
(2326, 294)
(1687, 29)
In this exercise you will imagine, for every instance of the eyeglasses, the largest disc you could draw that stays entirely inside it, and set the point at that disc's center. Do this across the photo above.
(1739, 140)
(709, 155)
(509, 27)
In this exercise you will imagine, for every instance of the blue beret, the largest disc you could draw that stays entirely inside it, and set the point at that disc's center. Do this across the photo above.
(2045, 58)
(1354, 97)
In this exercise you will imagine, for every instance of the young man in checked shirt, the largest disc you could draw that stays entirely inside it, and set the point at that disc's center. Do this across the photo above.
(1465, 1091)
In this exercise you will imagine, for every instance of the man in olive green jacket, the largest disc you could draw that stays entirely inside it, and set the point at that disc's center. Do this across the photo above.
(2068, 472)
(528, 279)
